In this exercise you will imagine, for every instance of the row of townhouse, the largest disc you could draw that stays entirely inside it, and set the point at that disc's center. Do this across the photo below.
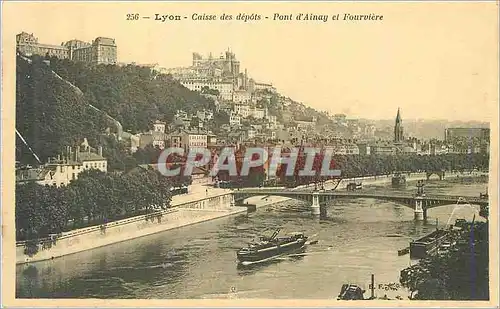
(65, 168)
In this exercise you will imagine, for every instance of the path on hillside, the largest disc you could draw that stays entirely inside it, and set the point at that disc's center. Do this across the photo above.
(79, 92)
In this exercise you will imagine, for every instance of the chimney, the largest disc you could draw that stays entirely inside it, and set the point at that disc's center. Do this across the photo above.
(77, 153)
(58, 157)
(100, 150)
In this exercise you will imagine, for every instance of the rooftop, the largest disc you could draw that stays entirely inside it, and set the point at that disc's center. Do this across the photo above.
(90, 156)
(32, 174)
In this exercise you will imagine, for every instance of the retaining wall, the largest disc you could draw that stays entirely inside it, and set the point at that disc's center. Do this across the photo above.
(204, 209)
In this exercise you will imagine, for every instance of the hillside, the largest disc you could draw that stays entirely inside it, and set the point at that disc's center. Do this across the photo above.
(50, 113)
(133, 95)
(285, 109)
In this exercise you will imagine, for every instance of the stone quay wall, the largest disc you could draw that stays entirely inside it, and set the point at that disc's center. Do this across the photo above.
(184, 211)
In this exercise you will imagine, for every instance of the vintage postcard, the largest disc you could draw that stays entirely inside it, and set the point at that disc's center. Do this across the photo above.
(250, 154)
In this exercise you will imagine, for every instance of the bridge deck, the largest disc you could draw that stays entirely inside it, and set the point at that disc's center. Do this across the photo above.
(428, 197)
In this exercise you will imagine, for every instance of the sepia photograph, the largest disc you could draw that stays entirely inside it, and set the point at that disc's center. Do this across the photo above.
(250, 154)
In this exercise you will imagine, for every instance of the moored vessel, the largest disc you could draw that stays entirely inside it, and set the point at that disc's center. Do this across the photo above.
(268, 248)
(428, 244)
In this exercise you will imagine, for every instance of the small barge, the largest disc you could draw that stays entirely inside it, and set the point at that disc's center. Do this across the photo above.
(272, 247)
(429, 244)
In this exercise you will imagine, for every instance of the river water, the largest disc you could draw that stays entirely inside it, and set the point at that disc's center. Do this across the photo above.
(359, 237)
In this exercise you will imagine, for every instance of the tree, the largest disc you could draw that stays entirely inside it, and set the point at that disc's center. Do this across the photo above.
(52, 114)
(461, 274)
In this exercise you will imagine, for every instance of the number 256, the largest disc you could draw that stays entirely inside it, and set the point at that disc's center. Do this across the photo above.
(132, 16)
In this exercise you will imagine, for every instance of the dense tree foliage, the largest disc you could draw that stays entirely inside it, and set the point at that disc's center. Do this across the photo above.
(207, 90)
(349, 165)
(370, 165)
(49, 114)
(94, 198)
(133, 95)
(461, 274)
(117, 154)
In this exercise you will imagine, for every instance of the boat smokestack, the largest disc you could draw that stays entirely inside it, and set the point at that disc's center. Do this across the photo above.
(373, 287)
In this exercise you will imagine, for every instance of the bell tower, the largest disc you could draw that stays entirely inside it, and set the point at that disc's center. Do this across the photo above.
(398, 129)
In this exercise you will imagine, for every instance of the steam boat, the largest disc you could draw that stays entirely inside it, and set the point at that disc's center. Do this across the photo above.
(270, 247)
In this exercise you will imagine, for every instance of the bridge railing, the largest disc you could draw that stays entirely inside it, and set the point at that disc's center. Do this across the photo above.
(361, 194)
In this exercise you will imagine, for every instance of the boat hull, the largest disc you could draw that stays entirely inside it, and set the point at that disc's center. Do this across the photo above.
(270, 252)
(428, 244)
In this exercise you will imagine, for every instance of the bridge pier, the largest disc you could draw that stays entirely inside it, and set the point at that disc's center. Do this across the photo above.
(315, 208)
(419, 211)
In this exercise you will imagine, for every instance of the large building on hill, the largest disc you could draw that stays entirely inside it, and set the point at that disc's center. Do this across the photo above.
(225, 65)
(218, 73)
(101, 50)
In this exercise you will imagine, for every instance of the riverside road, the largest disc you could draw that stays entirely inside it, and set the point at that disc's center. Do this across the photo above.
(357, 238)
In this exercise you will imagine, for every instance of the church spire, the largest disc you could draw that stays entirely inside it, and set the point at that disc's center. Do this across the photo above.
(398, 117)
(398, 129)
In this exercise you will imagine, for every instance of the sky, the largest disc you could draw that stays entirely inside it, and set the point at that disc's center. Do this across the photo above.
(432, 60)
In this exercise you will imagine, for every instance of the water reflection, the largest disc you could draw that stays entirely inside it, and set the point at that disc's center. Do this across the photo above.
(356, 238)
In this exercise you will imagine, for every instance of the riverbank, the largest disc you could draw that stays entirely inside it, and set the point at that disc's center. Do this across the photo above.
(200, 205)
(466, 259)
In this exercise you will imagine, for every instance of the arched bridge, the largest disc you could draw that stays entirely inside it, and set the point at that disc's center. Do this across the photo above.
(319, 198)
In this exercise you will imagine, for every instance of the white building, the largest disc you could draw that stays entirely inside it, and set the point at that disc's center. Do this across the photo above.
(159, 126)
(61, 171)
(264, 86)
(242, 109)
(258, 113)
(251, 133)
(242, 96)
(234, 119)
(189, 139)
(205, 115)
(345, 149)
(225, 88)
(272, 121)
